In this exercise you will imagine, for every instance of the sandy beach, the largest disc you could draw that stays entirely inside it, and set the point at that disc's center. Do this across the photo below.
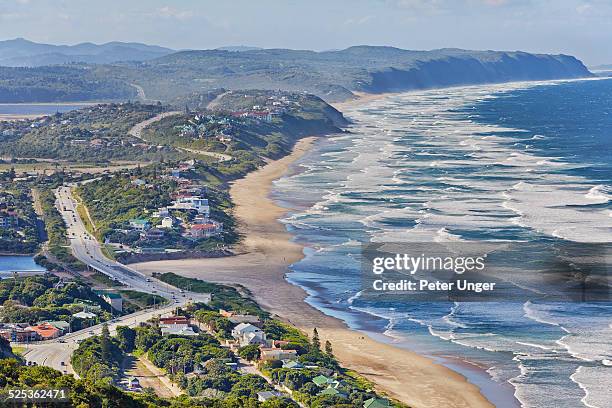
(267, 250)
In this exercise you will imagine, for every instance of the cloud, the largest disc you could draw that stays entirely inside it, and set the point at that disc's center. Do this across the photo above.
(171, 12)
(358, 21)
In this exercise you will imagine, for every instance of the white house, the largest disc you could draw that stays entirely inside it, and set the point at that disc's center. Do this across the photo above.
(247, 334)
(178, 331)
(167, 222)
(192, 203)
(85, 315)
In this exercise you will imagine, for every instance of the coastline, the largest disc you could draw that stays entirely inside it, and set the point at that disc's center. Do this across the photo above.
(266, 253)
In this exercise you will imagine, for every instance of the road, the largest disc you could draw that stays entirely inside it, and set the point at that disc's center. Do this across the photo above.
(137, 129)
(56, 353)
(52, 353)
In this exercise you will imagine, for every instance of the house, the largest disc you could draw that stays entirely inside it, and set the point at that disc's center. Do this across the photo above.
(85, 315)
(167, 222)
(155, 233)
(192, 203)
(205, 230)
(321, 380)
(237, 319)
(376, 403)
(292, 365)
(138, 182)
(263, 396)
(174, 321)
(132, 384)
(268, 354)
(161, 212)
(113, 299)
(62, 326)
(246, 333)
(178, 331)
(140, 224)
(8, 219)
(18, 332)
(45, 331)
(332, 391)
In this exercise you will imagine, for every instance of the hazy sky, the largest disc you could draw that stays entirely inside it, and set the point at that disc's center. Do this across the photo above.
(579, 27)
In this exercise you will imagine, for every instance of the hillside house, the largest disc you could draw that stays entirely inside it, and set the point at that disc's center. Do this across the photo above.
(140, 224)
(246, 333)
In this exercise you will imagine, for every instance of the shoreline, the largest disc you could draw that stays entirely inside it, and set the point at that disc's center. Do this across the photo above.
(266, 253)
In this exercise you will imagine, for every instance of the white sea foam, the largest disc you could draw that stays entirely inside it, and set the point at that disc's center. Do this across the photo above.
(459, 176)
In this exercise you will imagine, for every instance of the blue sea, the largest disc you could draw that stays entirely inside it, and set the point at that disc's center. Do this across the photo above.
(528, 162)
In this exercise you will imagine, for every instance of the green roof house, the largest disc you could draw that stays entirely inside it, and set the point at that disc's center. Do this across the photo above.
(376, 403)
(61, 325)
(320, 380)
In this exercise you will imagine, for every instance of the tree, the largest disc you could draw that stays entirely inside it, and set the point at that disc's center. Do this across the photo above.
(105, 343)
(316, 343)
(328, 348)
(250, 352)
(127, 338)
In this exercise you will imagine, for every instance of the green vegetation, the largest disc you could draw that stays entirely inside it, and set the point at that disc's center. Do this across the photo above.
(46, 298)
(332, 74)
(113, 201)
(95, 134)
(143, 299)
(19, 233)
(60, 84)
(223, 297)
(98, 357)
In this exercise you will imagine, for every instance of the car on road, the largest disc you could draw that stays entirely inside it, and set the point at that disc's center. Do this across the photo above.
(61, 341)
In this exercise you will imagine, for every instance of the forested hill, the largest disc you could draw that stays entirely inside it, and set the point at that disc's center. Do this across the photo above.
(332, 75)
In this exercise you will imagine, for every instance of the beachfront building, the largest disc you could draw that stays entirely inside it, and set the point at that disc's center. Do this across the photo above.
(207, 230)
(246, 333)
(154, 233)
(192, 203)
(268, 354)
(376, 403)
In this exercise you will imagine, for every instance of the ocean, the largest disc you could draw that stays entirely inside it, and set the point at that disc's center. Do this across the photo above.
(520, 162)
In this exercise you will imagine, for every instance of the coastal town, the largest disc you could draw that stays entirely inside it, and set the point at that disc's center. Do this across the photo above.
(116, 213)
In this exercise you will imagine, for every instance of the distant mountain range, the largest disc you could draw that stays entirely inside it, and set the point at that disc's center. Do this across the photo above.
(604, 67)
(23, 53)
(335, 75)
(117, 70)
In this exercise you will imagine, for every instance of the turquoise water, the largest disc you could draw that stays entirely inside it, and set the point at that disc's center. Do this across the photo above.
(513, 162)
